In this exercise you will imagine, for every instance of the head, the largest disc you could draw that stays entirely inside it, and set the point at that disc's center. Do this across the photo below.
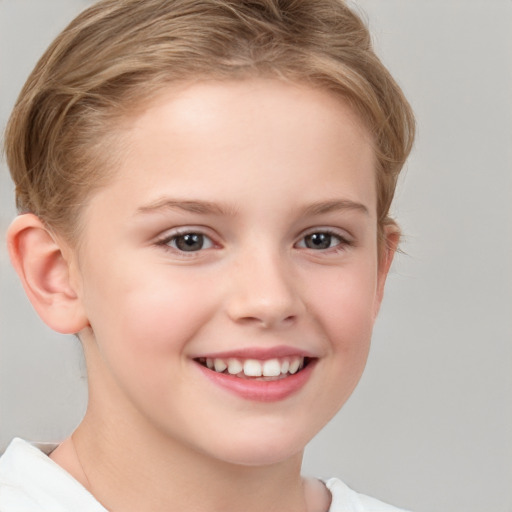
(239, 114)
(117, 55)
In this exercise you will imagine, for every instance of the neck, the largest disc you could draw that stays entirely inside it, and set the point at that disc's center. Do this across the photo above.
(142, 473)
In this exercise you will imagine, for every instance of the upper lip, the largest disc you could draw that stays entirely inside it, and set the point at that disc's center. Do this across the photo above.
(261, 353)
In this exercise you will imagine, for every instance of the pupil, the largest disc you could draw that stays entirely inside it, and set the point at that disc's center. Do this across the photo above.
(318, 241)
(190, 242)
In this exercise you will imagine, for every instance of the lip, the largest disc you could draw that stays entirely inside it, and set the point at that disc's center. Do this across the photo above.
(259, 390)
(258, 353)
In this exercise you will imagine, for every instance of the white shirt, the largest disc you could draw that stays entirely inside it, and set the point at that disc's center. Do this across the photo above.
(31, 482)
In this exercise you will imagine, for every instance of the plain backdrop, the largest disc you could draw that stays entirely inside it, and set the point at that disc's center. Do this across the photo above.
(429, 427)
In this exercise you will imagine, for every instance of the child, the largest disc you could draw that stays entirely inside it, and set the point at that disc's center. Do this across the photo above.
(204, 188)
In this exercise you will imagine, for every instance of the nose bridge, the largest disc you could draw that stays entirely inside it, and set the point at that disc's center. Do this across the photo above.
(263, 290)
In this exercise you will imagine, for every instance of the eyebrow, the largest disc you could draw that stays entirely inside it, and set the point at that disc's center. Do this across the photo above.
(334, 205)
(201, 207)
(209, 207)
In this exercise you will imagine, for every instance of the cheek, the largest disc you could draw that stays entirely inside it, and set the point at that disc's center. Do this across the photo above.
(348, 318)
(345, 301)
(142, 324)
(344, 306)
(143, 315)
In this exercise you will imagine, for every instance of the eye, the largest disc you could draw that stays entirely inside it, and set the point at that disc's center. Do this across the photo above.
(322, 240)
(189, 242)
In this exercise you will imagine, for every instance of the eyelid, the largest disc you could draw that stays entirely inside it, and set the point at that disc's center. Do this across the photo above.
(167, 236)
(345, 238)
(342, 233)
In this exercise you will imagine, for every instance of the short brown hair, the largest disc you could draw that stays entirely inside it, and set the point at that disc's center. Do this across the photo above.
(118, 53)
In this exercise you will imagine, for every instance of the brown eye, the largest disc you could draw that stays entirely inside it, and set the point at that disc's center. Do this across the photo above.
(190, 242)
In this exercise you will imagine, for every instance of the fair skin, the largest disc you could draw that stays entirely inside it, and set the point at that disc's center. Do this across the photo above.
(241, 225)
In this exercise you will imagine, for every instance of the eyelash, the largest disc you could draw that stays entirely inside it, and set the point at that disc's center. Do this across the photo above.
(165, 242)
(343, 241)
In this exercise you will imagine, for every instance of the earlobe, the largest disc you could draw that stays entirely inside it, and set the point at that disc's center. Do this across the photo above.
(387, 253)
(40, 261)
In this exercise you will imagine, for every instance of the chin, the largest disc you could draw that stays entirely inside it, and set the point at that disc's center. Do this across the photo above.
(256, 449)
(260, 458)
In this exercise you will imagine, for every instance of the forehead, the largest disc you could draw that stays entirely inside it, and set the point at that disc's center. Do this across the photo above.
(207, 138)
(246, 106)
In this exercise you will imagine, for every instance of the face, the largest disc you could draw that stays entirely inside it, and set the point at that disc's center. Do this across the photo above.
(229, 272)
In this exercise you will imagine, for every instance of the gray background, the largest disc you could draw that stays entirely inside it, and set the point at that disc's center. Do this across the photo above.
(429, 427)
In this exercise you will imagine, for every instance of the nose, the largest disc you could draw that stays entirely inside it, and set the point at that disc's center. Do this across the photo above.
(264, 291)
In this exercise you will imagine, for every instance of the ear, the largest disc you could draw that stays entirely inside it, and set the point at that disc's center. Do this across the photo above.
(43, 264)
(387, 250)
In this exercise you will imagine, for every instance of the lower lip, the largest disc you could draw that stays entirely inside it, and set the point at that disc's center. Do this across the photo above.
(260, 390)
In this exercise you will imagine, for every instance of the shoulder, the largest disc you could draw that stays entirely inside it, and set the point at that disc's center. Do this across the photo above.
(31, 482)
(345, 499)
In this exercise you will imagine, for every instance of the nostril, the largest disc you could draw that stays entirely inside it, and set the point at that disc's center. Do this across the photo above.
(289, 320)
(267, 321)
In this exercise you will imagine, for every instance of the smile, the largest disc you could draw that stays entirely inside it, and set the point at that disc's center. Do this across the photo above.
(257, 376)
(265, 370)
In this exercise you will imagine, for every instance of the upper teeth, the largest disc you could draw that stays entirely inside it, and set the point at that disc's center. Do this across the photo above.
(256, 368)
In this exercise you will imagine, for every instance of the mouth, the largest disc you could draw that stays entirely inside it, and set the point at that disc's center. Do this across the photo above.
(255, 369)
(259, 374)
